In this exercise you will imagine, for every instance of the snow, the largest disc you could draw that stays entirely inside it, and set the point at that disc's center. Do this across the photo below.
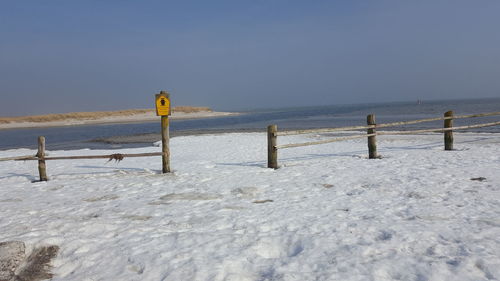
(328, 213)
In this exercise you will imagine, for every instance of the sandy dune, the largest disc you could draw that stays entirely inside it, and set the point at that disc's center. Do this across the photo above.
(99, 119)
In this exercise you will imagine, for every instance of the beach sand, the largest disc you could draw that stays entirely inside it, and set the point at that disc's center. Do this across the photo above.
(133, 118)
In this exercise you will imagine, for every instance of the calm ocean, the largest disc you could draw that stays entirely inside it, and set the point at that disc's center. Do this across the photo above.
(88, 136)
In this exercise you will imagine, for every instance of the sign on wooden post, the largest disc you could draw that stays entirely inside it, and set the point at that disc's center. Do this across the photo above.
(163, 104)
(163, 109)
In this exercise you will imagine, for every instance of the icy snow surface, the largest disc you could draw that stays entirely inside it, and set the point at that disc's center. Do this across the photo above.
(328, 213)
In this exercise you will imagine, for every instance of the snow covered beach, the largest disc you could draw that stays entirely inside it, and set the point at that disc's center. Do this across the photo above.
(328, 213)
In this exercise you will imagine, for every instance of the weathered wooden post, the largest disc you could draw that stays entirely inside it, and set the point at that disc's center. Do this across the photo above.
(163, 110)
(42, 170)
(372, 142)
(165, 145)
(272, 151)
(448, 135)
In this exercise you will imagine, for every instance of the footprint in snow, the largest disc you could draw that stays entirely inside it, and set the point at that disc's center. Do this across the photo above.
(56, 187)
(230, 207)
(134, 266)
(245, 192)
(102, 198)
(355, 192)
(91, 216)
(480, 264)
(137, 218)
(11, 200)
(271, 248)
(191, 196)
(415, 195)
(384, 236)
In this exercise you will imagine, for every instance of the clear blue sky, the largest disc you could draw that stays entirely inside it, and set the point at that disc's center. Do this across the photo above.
(61, 56)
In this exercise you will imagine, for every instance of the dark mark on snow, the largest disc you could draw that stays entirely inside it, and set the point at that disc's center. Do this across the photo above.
(14, 265)
(478, 179)
(262, 201)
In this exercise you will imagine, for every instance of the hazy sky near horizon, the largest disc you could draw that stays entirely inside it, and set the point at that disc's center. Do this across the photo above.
(62, 56)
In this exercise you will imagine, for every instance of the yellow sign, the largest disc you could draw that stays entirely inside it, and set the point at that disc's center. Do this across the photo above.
(162, 104)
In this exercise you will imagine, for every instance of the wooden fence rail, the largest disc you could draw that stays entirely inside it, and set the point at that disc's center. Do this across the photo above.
(41, 157)
(439, 130)
(385, 133)
(116, 156)
(385, 125)
(372, 133)
(323, 141)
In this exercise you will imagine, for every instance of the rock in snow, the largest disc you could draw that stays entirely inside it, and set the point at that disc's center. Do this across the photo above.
(14, 266)
(11, 256)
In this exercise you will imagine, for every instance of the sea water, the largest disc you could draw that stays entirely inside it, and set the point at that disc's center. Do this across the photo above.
(88, 136)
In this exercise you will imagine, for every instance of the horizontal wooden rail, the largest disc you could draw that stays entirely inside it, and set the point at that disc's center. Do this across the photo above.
(116, 156)
(387, 133)
(16, 158)
(325, 130)
(435, 119)
(384, 125)
(474, 115)
(393, 124)
(438, 130)
(324, 141)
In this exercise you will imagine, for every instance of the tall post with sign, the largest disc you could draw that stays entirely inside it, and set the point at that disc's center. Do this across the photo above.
(163, 110)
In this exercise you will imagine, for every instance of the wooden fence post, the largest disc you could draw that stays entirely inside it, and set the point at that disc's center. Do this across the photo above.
(42, 170)
(272, 151)
(165, 145)
(448, 135)
(372, 142)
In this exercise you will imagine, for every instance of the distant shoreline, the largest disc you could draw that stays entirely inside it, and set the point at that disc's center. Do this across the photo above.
(110, 117)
